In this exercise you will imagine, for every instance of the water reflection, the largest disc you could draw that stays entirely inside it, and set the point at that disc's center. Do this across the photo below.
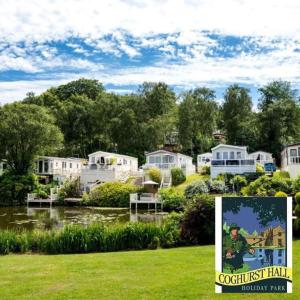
(56, 217)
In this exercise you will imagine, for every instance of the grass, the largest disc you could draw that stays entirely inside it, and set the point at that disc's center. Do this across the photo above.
(190, 179)
(178, 273)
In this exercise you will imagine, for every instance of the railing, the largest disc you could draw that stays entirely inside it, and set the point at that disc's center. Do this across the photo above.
(60, 171)
(144, 197)
(294, 160)
(232, 162)
(160, 166)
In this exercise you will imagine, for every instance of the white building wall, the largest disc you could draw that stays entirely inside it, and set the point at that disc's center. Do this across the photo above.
(290, 160)
(232, 159)
(166, 160)
(216, 170)
(59, 168)
(108, 167)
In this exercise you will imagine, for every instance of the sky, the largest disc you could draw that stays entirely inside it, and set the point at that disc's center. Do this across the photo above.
(123, 43)
(249, 220)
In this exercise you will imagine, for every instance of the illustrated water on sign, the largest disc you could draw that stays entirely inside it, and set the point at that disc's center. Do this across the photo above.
(253, 245)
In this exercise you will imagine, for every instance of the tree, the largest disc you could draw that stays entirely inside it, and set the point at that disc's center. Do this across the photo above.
(238, 119)
(88, 87)
(76, 120)
(197, 119)
(26, 131)
(279, 117)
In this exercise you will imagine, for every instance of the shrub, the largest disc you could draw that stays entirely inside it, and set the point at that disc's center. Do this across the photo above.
(196, 187)
(112, 194)
(70, 189)
(197, 225)
(297, 207)
(14, 188)
(178, 176)
(217, 186)
(280, 194)
(155, 174)
(205, 170)
(260, 169)
(297, 198)
(226, 177)
(281, 174)
(171, 199)
(268, 186)
(238, 182)
(296, 184)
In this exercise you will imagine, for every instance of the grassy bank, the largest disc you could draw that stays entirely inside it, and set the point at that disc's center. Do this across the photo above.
(181, 273)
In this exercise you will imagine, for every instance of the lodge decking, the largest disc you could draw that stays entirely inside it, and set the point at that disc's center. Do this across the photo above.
(145, 198)
(34, 198)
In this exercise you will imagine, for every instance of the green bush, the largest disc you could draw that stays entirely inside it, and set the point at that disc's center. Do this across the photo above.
(94, 238)
(238, 182)
(178, 176)
(281, 174)
(226, 177)
(70, 189)
(14, 188)
(297, 198)
(297, 207)
(217, 186)
(280, 194)
(197, 225)
(155, 174)
(296, 184)
(259, 169)
(268, 186)
(196, 187)
(112, 194)
(205, 170)
(171, 199)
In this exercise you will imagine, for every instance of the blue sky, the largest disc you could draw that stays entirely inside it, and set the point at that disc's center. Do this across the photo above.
(122, 43)
(249, 220)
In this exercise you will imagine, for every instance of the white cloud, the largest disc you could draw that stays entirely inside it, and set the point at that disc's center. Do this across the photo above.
(177, 29)
(54, 19)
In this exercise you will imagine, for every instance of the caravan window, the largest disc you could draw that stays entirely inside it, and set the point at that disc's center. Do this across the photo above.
(231, 155)
(225, 155)
(218, 155)
(238, 155)
(293, 152)
(151, 159)
(165, 159)
(158, 159)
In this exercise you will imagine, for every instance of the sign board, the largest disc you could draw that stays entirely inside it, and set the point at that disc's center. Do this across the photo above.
(253, 245)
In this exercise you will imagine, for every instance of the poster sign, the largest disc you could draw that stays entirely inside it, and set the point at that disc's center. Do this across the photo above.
(253, 245)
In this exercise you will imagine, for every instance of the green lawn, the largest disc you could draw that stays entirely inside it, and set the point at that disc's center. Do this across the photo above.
(182, 273)
(189, 179)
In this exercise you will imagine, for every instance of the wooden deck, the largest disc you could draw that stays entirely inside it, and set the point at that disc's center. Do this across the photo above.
(33, 198)
(145, 198)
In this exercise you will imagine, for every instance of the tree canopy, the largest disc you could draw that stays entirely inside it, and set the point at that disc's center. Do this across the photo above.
(25, 132)
(91, 118)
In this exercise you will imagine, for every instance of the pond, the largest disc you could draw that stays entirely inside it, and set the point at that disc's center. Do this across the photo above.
(264, 257)
(56, 217)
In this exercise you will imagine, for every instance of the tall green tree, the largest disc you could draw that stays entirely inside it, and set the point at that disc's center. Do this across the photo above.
(197, 118)
(279, 116)
(239, 120)
(26, 131)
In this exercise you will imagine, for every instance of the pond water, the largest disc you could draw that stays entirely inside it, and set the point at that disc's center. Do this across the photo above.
(264, 257)
(56, 217)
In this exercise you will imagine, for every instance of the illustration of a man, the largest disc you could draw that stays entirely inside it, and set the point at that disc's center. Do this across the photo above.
(234, 248)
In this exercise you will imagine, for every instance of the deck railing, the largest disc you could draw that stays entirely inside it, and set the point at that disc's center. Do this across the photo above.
(294, 160)
(232, 162)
